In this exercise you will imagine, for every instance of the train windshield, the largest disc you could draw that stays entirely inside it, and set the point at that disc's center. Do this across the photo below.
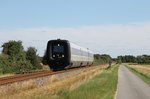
(58, 48)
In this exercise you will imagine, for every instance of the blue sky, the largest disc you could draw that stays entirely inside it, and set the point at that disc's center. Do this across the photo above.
(66, 13)
(115, 22)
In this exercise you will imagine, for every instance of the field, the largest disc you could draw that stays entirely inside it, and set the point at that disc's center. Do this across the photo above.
(142, 71)
(98, 83)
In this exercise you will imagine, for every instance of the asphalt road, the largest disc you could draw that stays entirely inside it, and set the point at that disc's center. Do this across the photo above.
(130, 86)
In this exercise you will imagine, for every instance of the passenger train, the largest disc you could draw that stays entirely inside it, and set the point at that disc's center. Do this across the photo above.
(62, 54)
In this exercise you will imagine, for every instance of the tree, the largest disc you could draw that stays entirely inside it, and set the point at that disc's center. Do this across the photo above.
(15, 51)
(143, 59)
(31, 55)
(119, 59)
(13, 58)
(127, 59)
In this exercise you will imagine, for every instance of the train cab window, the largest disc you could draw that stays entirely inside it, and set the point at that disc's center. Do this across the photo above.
(58, 51)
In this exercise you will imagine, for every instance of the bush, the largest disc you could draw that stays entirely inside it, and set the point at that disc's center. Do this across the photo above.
(101, 59)
(33, 58)
(15, 60)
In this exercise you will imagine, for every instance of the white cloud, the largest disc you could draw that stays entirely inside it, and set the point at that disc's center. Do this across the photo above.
(114, 39)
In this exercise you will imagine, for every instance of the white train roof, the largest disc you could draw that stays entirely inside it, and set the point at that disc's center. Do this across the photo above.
(79, 47)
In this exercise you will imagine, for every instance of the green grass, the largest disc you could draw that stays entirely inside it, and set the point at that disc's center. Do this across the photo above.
(144, 77)
(102, 86)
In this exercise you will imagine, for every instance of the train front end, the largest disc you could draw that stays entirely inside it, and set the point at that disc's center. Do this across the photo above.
(58, 54)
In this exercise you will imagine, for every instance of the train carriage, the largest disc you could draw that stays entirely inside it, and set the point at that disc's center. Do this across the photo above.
(63, 54)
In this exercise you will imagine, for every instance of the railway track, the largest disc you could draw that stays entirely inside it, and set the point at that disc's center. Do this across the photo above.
(23, 77)
(20, 77)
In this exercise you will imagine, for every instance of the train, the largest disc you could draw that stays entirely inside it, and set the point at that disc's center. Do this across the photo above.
(63, 54)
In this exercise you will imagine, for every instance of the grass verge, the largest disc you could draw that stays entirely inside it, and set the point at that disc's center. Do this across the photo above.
(102, 86)
(140, 74)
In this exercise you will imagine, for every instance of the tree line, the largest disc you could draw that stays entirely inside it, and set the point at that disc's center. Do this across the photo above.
(141, 59)
(14, 59)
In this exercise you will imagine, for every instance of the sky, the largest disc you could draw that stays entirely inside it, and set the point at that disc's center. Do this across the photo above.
(114, 27)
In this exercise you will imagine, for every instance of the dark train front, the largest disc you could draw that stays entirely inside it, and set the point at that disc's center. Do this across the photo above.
(58, 54)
